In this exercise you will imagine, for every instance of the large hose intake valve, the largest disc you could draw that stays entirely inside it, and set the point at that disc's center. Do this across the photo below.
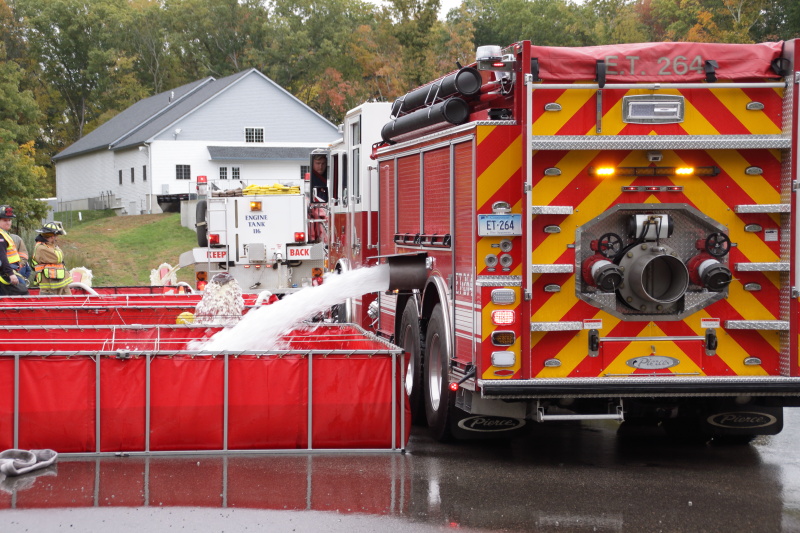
(654, 277)
(407, 272)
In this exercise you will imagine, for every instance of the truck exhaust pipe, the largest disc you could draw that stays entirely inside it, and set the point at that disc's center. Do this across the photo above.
(407, 272)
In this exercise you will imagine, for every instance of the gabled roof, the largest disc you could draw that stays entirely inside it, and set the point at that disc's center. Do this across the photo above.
(147, 118)
(133, 118)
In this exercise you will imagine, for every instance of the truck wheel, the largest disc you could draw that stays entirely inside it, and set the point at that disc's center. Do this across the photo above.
(733, 440)
(200, 223)
(410, 339)
(439, 400)
(685, 430)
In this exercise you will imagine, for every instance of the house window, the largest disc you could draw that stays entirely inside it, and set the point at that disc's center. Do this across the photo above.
(254, 135)
(235, 173)
(183, 172)
(144, 172)
(120, 177)
(304, 169)
(132, 175)
(223, 173)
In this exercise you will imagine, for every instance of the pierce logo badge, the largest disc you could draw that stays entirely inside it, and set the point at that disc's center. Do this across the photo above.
(486, 424)
(742, 420)
(652, 362)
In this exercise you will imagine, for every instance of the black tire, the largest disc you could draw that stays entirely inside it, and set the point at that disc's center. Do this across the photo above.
(201, 224)
(410, 339)
(439, 399)
(733, 440)
(685, 430)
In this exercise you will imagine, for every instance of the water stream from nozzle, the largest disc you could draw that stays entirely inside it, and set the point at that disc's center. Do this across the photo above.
(261, 328)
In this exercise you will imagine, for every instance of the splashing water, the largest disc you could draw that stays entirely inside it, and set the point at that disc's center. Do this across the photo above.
(261, 328)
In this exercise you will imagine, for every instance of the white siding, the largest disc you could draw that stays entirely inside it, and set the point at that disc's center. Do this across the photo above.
(134, 196)
(167, 154)
(85, 176)
(251, 102)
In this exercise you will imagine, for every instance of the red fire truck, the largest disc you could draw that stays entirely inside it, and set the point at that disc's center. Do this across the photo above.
(606, 233)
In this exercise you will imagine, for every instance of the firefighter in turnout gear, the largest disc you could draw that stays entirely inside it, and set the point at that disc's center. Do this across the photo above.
(10, 282)
(48, 261)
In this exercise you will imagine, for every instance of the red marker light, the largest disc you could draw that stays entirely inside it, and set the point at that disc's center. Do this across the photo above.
(454, 387)
(213, 239)
(299, 236)
(503, 317)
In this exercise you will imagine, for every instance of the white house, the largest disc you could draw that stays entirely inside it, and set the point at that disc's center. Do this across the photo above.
(243, 128)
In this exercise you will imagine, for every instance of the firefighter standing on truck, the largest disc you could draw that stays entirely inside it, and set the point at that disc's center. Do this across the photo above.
(48, 262)
(10, 282)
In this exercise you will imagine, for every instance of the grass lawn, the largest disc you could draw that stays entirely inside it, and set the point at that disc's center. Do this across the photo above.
(122, 250)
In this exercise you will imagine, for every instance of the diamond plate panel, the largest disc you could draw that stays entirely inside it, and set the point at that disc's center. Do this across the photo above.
(661, 142)
(551, 209)
(764, 208)
(552, 269)
(556, 326)
(689, 225)
(762, 267)
(763, 325)
(499, 281)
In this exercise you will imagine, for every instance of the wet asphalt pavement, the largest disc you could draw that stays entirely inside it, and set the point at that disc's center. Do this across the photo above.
(565, 477)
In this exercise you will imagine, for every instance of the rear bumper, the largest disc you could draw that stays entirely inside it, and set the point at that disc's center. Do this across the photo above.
(639, 387)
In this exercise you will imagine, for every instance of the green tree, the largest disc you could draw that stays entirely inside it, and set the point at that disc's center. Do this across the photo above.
(413, 20)
(77, 43)
(21, 180)
(543, 22)
(304, 47)
(780, 20)
(148, 38)
(617, 21)
(212, 37)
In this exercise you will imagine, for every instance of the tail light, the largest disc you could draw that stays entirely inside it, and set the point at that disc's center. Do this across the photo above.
(213, 239)
(503, 338)
(503, 317)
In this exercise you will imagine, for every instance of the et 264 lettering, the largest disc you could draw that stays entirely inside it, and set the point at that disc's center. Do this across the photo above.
(665, 66)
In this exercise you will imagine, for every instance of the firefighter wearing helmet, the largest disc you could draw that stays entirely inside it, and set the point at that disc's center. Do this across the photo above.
(48, 261)
(10, 282)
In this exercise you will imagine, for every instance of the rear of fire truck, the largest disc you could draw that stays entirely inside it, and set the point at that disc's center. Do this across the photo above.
(259, 234)
(616, 240)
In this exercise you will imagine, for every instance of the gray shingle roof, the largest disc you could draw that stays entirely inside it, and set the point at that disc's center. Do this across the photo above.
(258, 152)
(148, 117)
(125, 124)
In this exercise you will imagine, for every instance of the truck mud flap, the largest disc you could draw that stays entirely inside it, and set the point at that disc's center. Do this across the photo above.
(465, 426)
(731, 420)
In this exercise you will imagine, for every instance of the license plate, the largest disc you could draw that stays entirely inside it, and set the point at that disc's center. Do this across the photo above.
(491, 225)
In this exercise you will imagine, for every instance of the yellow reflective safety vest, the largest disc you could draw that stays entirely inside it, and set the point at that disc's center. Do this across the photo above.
(50, 276)
(11, 252)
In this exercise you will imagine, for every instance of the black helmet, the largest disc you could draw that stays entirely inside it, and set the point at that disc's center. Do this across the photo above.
(6, 211)
(53, 228)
